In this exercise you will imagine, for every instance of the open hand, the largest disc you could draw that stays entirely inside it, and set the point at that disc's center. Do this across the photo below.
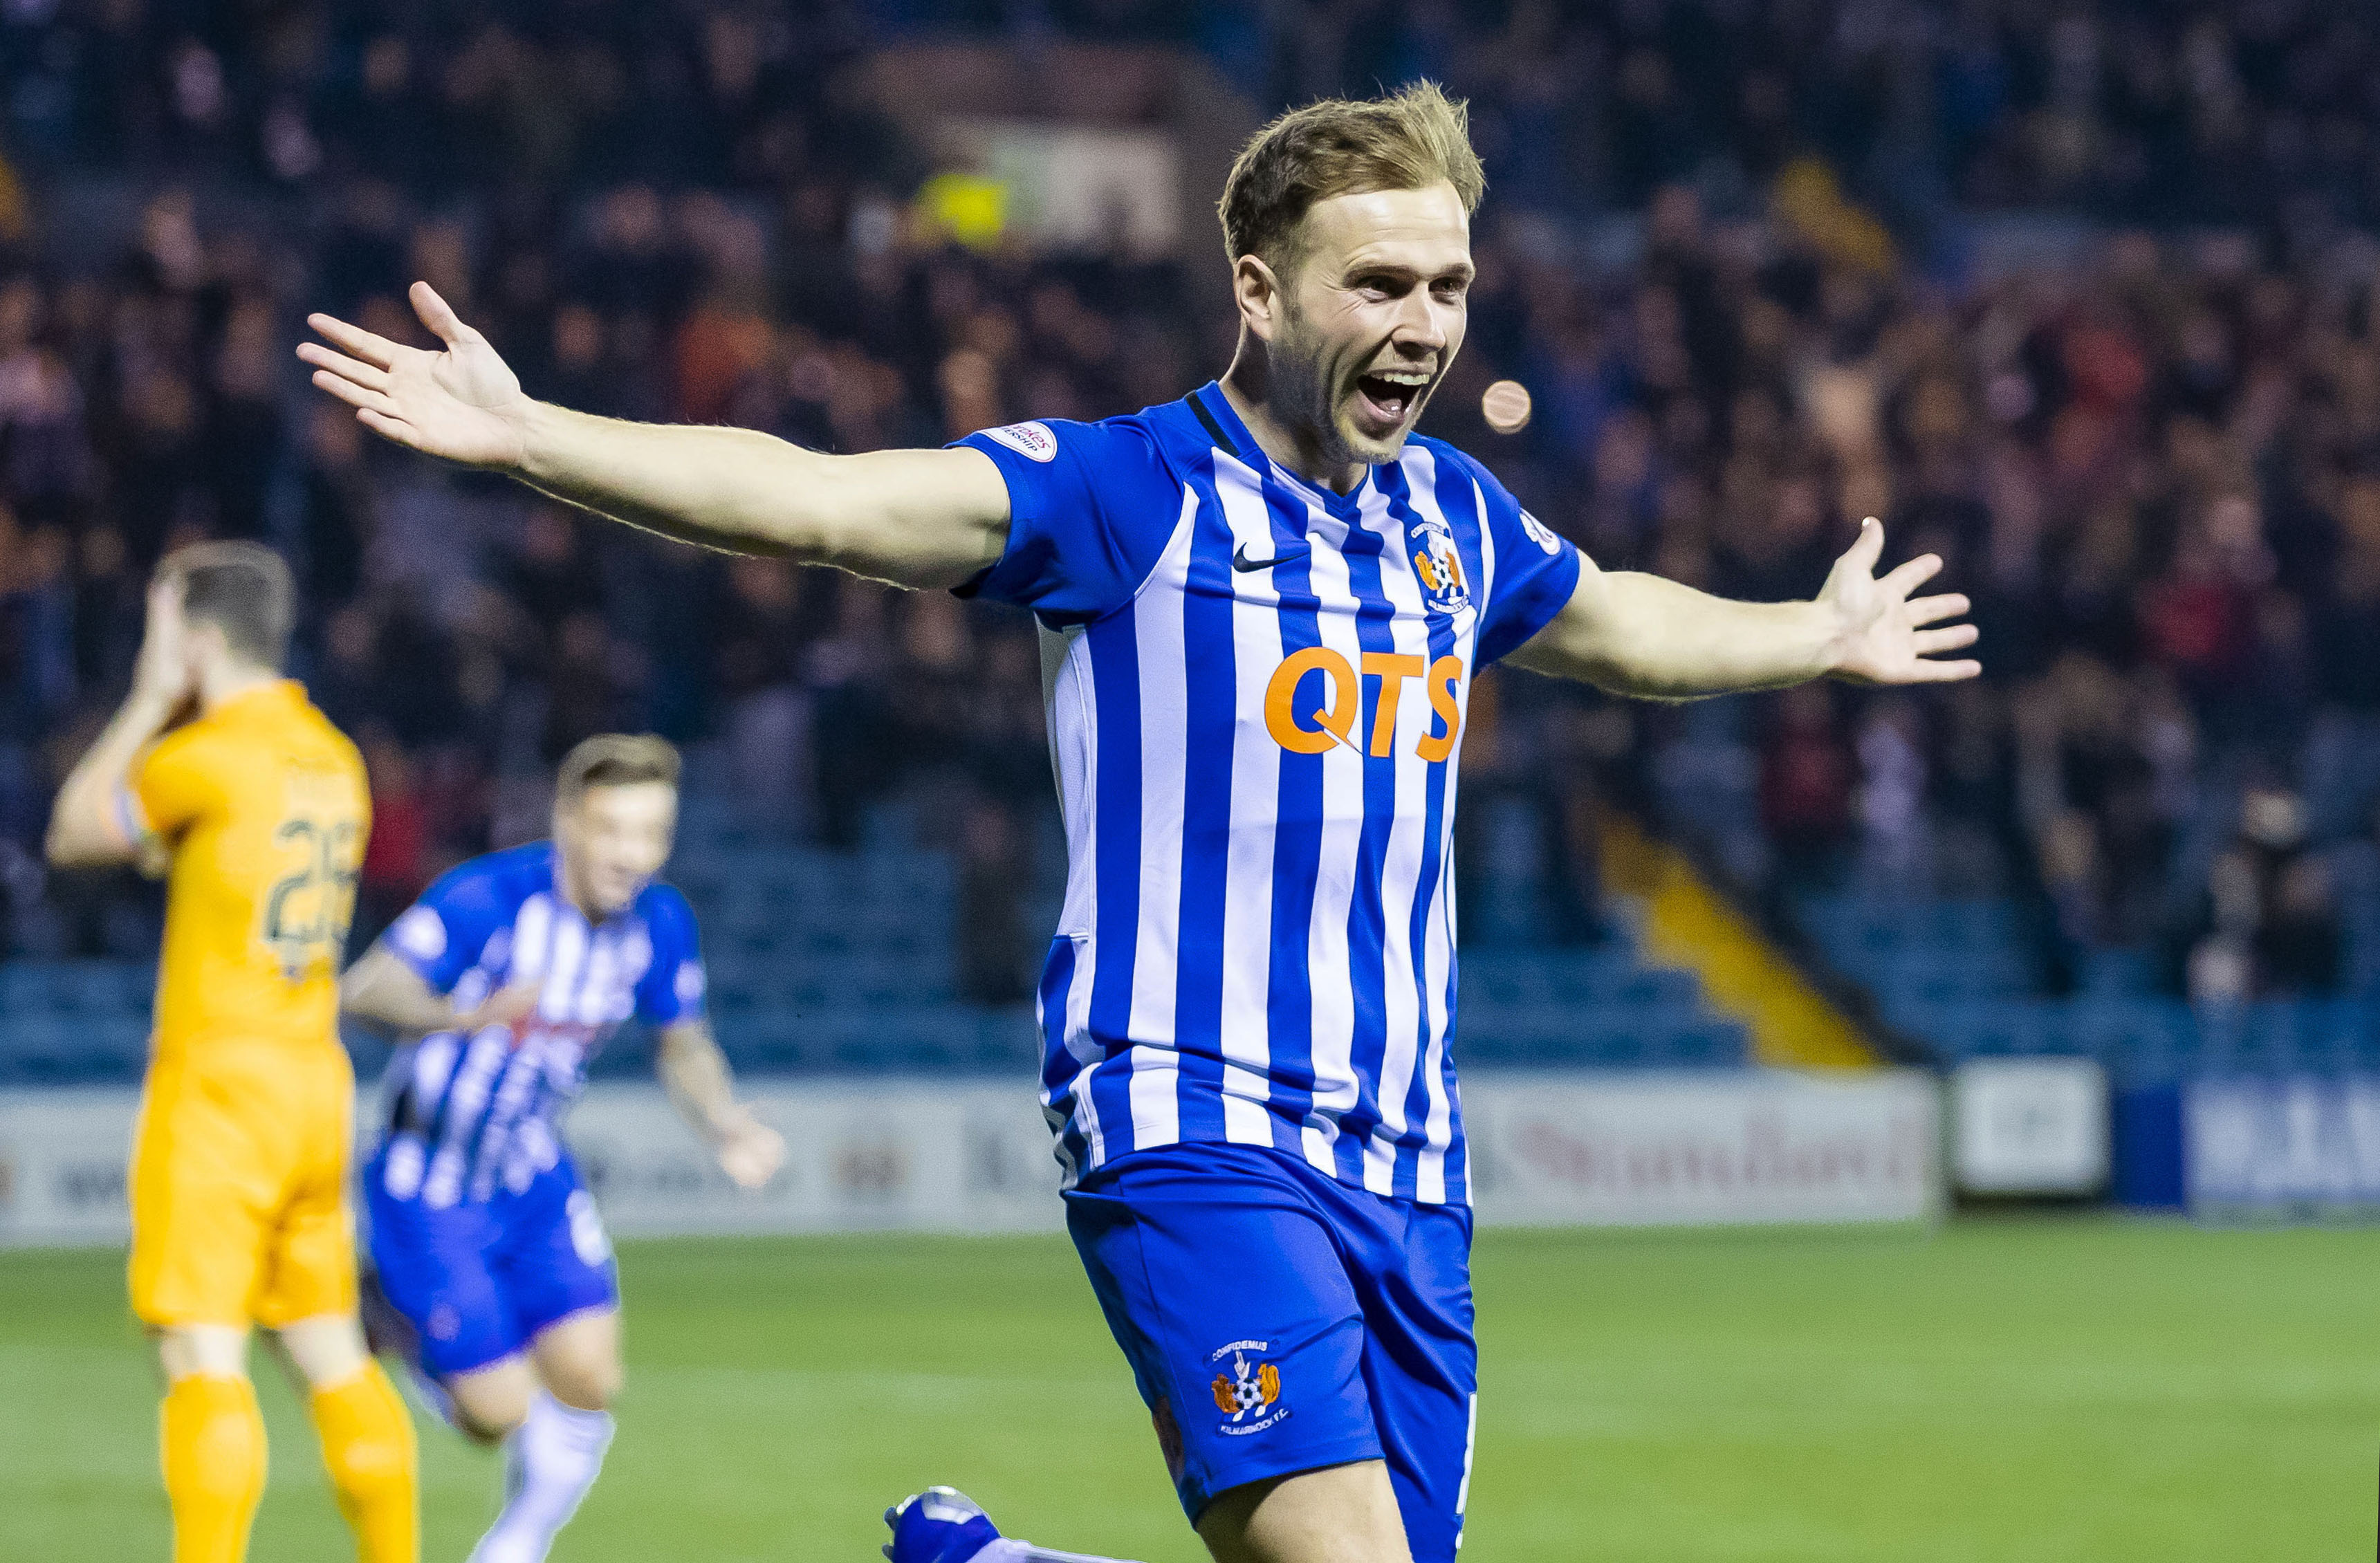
(1883, 636)
(462, 404)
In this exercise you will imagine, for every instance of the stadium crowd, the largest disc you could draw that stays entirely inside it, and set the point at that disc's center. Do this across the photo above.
(2154, 463)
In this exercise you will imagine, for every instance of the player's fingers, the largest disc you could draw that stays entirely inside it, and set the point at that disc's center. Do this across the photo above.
(1867, 548)
(439, 315)
(388, 427)
(355, 395)
(354, 370)
(1908, 577)
(1945, 672)
(1928, 642)
(1927, 610)
(369, 346)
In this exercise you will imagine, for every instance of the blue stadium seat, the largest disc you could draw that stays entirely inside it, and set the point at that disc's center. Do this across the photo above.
(76, 988)
(1657, 1034)
(54, 1048)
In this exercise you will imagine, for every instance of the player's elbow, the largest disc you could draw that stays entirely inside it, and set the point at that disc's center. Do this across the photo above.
(75, 843)
(359, 986)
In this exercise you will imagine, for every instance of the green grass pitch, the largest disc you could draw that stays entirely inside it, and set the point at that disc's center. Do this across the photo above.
(2037, 1390)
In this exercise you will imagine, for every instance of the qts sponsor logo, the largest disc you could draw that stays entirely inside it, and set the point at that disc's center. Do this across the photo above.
(1315, 697)
(1249, 1393)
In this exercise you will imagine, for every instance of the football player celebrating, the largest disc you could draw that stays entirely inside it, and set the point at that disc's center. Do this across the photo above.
(1265, 605)
(510, 971)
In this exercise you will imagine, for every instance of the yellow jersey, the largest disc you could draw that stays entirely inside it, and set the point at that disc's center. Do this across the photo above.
(263, 807)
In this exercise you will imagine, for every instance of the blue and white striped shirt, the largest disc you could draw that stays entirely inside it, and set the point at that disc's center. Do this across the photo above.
(1255, 691)
(471, 1115)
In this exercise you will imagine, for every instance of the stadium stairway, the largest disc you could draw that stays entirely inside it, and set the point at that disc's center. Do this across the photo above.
(1686, 922)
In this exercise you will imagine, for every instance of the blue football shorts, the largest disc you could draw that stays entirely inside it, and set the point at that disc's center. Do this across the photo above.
(479, 1282)
(1280, 1321)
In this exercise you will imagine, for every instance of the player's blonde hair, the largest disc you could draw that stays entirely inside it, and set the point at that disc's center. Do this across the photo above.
(244, 589)
(1408, 140)
(614, 760)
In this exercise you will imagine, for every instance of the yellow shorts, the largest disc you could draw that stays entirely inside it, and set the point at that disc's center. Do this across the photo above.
(239, 1187)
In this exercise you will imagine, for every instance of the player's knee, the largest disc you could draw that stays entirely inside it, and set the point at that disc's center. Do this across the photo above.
(488, 1408)
(486, 1429)
(326, 1350)
(209, 1350)
(590, 1386)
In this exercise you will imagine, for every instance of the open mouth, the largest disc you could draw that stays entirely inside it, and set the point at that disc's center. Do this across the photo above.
(1386, 398)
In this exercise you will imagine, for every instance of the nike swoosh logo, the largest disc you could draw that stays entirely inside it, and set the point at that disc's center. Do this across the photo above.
(1246, 566)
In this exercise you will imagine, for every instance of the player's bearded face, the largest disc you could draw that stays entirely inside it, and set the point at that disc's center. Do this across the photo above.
(1376, 313)
(614, 839)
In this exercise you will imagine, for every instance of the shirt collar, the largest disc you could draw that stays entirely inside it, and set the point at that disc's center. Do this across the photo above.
(1231, 431)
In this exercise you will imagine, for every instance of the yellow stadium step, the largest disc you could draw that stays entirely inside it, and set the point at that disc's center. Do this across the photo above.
(1688, 924)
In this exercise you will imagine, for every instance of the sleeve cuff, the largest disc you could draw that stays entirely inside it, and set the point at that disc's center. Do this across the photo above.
(130, 817)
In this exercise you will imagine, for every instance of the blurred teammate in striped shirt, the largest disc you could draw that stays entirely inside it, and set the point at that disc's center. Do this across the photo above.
(491, 1272)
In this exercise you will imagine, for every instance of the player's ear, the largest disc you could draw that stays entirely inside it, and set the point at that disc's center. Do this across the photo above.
(1257, 289)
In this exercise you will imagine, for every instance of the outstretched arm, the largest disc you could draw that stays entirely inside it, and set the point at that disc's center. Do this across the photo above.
(1644, 636)
(918, 518)
(694, 1072)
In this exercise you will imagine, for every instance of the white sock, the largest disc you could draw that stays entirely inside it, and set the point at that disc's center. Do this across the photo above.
(550, 1461)
(1008, 1550)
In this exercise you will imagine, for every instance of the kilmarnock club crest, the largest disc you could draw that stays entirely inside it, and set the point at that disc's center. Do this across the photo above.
(1437, 565)
(1251, 1400)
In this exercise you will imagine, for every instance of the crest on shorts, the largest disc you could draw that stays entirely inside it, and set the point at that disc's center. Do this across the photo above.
(1246, 1387)
(1437, 565)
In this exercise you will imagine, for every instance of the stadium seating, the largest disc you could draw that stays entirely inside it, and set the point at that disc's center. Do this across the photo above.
(1921, 959)
(843, 962)
(1956, 976)
(66, 1023)
(827, 962)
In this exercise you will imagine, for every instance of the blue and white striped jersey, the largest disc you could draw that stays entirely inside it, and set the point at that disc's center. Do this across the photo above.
(469, 1115)
(1256, 691)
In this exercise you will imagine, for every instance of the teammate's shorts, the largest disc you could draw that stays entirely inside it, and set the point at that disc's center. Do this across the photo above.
(1279, 1321)
(479, 1281)
(239, 1187)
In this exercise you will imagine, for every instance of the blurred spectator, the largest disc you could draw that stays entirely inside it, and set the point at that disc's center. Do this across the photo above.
(2269, 926)
(336, 523)
(759, 643)
(548, 573)
(1894, 846)
(397, 858)
(1806, 779)
(584, 690)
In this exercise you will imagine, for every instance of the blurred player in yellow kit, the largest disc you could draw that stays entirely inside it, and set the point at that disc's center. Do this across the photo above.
(255, 808)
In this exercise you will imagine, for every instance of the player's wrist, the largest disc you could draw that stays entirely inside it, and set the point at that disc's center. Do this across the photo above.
(1831, 633)
(541, 433)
